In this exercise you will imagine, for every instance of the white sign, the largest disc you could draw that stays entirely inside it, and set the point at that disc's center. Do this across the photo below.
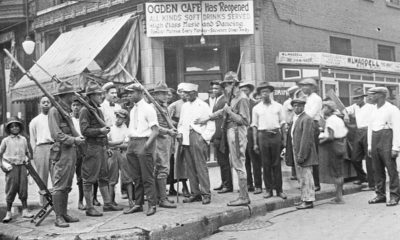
(335, 60)
(166, 19)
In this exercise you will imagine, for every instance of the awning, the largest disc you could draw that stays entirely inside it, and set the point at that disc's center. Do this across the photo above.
(68, 57)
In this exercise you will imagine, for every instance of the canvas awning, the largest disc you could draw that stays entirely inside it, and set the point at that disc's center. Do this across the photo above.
(68, 57)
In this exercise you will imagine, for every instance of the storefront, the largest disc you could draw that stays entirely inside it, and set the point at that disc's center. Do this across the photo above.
(341, 73)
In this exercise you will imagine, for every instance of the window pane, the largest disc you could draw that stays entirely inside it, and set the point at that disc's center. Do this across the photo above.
(340, 46)
(386, 53)
(202, 59)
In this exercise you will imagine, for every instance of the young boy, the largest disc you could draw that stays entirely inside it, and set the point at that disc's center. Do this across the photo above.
(13, 153)
(118, 142)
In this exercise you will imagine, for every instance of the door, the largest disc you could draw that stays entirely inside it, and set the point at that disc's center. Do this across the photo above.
(328, 85)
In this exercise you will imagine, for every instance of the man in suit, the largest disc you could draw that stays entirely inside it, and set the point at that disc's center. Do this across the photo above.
(304, 152)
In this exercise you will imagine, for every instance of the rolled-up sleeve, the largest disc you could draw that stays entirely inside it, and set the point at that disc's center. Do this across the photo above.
(55, 131)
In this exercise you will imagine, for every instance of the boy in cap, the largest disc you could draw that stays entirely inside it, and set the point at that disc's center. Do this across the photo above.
(13, 154)
(384, 145)
(63, 153)
(163, 146)
(94, 166)
(118, 142)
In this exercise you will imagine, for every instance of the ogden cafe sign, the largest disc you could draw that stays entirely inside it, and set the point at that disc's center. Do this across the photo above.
(335, 60)
(166, 19)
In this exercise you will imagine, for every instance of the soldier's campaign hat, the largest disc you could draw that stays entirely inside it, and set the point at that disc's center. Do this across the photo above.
(264, 85)
(308, 81)
(293, 89)
(330, 104)
(134, 87)
(122, 113)
(230, 77)
(300, 99)
(358, 92)
(248, 84)
(383, 90)
(190, 87)
(13, 120)
(64, 88)
(93, 88)
(108, 86)
(161, 87)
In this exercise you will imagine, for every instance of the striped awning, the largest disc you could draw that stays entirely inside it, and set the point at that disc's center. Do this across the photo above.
(68, 57)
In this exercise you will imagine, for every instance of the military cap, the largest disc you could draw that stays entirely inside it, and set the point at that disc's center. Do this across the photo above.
(93, 88)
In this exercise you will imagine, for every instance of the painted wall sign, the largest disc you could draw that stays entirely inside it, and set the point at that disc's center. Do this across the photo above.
(335, 60)
(167, 19)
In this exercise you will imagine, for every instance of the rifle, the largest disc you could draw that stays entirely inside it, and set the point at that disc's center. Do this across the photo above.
(151, 99)
(61, 110)
(77, 95)
(222, 145)
(44, 212)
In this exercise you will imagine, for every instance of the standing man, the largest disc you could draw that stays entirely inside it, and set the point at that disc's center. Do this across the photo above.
(41, 142)
(143, 131)
(252, 158)
(222, 157)
(268, 134)
(94, 166)
(109, 106)
(288, 114)
(63, 154)
(195, 139)
(304, 152)
(361, 111)
(313, 109)
(384, 145)
(163, 146)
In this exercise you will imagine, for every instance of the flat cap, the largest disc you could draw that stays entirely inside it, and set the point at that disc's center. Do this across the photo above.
(293, 89)
(378, 90)
(181, 86)
(308, 81)
(358, 92)
(300, 99)
(134, 87)
(108, 86)
(121, 113)
(330, 104)
(190, 87)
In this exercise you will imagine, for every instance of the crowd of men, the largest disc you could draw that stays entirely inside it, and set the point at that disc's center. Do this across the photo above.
(148, 144)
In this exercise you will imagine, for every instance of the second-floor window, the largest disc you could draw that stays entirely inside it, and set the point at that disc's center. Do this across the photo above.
(340, 45)
(386, 53)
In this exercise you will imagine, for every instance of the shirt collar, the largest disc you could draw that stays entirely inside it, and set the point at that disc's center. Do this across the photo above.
(15, 136)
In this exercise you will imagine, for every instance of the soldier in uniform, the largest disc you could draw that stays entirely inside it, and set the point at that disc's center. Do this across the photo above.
(63, 154)
(94, 166)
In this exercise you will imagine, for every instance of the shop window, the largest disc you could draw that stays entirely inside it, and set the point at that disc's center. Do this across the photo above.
(51, 38)
(386, 53)
(289, 74)
(202, 59)
(340, 46)
(171, 67)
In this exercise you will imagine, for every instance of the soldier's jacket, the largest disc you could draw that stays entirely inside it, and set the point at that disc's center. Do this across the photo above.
(90, 127)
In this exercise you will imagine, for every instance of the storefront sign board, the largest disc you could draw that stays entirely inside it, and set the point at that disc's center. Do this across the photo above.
(193, 18)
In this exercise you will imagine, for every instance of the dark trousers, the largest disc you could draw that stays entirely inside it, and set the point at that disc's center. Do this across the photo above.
(95, 165)
(64, 169)
(224, 165)
(360, 152)
(17, 182)
(141, 166)
(381, 150)
(270, 149)
(255, 160)
(316, 167)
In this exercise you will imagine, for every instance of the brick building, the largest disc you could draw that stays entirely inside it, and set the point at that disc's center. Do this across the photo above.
(278, 46)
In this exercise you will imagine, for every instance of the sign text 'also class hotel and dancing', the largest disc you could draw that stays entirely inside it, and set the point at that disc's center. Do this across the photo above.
(193, 18)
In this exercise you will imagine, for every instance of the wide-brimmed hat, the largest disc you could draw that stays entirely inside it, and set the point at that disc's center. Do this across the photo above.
(308, 81)
(330, 104)
(230, 77)
(248, 84)
(358, 92)
(121, 113)
(13, 120)
(64, 88)
(93, 88)
(108, 86)
(300, 99)
(134, 87)
(264, 85)
(161, 87)
(383, 90)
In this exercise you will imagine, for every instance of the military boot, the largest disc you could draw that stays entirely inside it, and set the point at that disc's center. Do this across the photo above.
(58, 200)
(67, 218)
(88, 193)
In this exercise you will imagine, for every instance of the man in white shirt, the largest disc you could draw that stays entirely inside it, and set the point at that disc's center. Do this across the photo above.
(384, 145)
(268, 129)
(41, 142)
(195, 140)
(143, 131)
(361, 112)
(109, 105)
(313, 109)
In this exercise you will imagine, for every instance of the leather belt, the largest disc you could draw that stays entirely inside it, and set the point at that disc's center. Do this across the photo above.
(274, 131)
(46, 143)
(137, 138)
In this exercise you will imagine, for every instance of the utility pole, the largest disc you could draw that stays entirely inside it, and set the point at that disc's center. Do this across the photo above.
(3, 91)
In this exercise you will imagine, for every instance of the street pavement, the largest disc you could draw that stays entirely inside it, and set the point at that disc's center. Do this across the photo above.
(188, 221)
(354, 220)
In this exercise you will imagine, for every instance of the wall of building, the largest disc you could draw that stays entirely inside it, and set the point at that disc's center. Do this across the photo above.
(305, 26)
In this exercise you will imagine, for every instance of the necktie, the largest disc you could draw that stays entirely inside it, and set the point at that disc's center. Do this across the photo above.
(135, 117)
(112, 104)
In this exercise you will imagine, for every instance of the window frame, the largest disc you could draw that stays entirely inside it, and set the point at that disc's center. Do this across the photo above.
(393, 48)
(331, 41)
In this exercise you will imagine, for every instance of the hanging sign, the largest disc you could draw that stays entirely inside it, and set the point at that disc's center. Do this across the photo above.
(167, 19)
